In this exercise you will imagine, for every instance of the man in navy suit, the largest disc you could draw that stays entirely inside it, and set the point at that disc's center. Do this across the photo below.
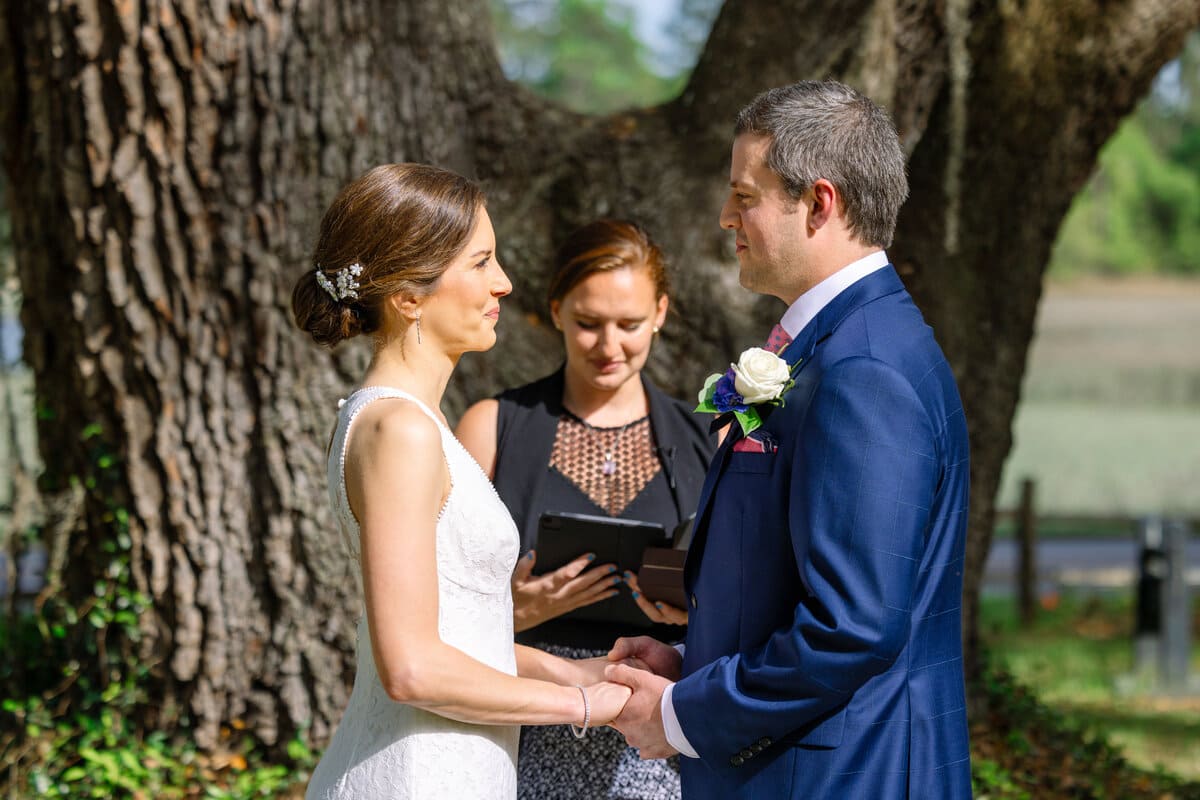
(824, 651)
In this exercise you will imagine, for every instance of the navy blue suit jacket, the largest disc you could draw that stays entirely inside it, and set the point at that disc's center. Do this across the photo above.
(824, 645)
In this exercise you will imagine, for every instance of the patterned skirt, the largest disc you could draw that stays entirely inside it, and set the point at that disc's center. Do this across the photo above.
(554, 765)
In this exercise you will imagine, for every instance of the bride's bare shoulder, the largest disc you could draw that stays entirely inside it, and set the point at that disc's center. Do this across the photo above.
(395, 423)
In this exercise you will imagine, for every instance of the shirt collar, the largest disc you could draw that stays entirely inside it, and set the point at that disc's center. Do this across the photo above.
(809, 304)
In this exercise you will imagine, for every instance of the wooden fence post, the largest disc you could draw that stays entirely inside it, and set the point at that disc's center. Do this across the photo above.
(1027, 548)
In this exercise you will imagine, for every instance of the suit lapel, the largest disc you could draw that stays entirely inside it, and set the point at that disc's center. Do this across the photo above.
(878, 284)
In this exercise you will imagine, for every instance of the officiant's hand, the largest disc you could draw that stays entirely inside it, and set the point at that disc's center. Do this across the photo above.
(661, 659)
(641, 718)
(542, 597)
(606, 699)
(657, 611)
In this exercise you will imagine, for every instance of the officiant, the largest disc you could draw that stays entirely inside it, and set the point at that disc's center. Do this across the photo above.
(595, 437)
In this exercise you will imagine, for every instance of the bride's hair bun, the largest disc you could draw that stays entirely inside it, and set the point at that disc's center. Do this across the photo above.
(393, 229)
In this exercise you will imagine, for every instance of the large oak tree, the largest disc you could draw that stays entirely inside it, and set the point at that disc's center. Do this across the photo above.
(168, 161)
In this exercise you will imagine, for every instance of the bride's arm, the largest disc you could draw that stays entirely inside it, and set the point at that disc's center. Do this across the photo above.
(534, 663)
(397, 481)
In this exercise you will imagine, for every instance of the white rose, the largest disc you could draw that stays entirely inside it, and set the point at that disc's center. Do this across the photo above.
(760, 375)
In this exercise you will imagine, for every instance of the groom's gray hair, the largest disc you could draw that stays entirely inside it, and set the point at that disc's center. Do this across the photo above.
(825, 129)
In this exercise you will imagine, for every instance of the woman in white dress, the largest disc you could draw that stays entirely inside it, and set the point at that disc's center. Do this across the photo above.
(406, 254)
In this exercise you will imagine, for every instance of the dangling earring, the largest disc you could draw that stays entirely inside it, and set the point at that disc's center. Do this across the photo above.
(418, 328)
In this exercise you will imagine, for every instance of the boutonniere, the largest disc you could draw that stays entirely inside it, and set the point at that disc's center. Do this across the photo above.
(758, 378)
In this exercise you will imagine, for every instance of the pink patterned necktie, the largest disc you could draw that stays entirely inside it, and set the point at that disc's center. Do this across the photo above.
(778, 340)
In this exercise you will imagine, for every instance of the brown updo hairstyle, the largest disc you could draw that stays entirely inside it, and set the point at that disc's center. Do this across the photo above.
(404, 223)
(603, 246)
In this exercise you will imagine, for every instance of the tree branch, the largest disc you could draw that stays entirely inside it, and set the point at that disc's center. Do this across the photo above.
(757, 44)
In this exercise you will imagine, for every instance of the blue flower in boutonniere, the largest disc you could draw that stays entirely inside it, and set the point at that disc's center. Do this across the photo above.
(758, 378)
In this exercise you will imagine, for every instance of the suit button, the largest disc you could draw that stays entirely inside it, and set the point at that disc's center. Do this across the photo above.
(693, 600)
(747, 753)
(737, 761)
(764, 742)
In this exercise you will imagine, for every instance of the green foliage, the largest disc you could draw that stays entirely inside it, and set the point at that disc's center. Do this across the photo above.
(1022, 747)
(581, 53)
(1140, 213)
(993, 782)
(74, 707)
(1066, 686)
(101, 754)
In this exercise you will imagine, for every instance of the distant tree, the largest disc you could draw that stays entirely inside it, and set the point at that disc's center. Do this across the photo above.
(1186, 111)
(583, 54)
(172, 160)
(1140, 211)
(1139, 214)
(1174, 106)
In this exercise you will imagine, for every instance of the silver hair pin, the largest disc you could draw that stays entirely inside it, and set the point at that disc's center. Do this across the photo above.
(346, 287)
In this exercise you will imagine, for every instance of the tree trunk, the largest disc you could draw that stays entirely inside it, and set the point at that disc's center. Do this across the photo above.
(172, 159)
(1036, 89)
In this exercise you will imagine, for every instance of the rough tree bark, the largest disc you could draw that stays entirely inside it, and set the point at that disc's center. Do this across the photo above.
(1044, 84)
(168, 162)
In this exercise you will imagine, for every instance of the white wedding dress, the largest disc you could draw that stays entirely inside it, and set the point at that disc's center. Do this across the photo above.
(384, 749)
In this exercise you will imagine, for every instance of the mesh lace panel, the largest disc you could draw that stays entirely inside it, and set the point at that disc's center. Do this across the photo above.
(610, 465)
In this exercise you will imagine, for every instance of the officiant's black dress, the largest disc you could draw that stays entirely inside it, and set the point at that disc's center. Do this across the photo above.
(650, 469)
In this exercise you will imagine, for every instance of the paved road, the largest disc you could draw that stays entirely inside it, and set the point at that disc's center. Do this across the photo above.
(1099, 563)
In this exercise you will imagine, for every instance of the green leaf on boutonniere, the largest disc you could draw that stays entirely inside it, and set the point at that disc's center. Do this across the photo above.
(706, 395)
(749, 420)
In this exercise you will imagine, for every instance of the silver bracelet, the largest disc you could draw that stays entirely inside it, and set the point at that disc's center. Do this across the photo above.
(587, 715)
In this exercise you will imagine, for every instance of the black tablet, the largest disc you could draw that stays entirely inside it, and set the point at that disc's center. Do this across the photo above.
(563, 537)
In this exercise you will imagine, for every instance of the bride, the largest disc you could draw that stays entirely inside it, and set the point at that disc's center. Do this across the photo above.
(406, 254)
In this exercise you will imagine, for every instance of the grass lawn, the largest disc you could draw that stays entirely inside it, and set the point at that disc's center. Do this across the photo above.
(1102, 459)
(1073, 658)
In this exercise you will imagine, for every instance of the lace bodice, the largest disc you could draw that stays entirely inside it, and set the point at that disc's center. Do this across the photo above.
(384, 749)
(609, 465)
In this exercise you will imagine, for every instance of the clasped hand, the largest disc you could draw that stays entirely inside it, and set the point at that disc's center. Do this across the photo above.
(647, 667)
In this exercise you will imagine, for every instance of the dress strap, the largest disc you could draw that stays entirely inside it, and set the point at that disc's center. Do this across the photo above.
(362, 397)
(348, 409)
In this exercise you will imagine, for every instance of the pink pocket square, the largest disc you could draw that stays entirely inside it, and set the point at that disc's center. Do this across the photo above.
(755, 444)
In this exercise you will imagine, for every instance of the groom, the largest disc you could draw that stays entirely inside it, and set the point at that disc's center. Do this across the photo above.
(824, 654)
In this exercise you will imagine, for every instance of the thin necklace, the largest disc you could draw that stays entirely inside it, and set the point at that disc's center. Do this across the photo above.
(609, 465)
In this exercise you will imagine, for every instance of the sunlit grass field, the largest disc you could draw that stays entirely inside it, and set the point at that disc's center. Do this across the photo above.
(1093, 459)
(1109, 421)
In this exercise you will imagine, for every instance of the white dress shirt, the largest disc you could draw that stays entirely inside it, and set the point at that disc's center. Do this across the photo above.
(795, 319)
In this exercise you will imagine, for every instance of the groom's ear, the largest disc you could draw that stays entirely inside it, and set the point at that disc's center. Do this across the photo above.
(823, 201)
